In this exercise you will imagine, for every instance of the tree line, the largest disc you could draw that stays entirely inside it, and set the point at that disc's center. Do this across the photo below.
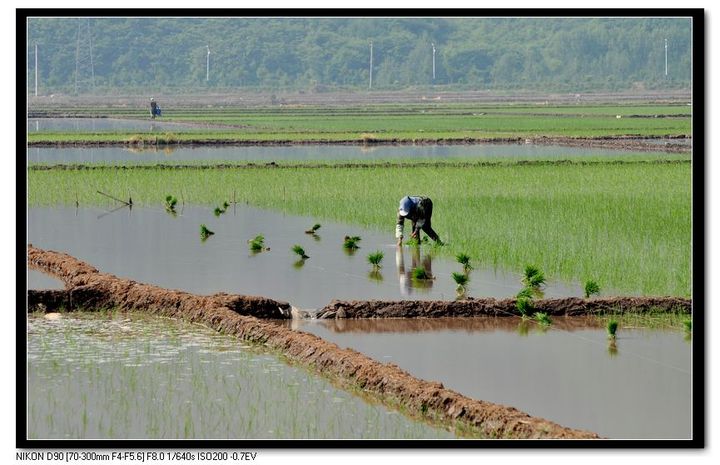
(315, 54)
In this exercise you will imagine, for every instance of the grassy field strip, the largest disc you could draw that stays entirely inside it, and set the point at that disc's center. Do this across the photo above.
(407, 123)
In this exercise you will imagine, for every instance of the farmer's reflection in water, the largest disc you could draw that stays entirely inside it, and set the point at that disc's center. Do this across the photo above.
(410, 276)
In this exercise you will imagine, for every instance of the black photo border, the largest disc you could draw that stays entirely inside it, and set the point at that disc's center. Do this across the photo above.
(699, 179)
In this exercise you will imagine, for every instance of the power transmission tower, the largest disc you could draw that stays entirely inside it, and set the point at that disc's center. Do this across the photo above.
(84, 66)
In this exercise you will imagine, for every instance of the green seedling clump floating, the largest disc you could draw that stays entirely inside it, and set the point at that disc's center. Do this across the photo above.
(170, 203)
(257, 244)
(461, 279)
(299, 251)
(220, 210)
(205, 232)
(350, 242)
(375, 258)
(533, 277)
(612, 327)
(420, 273)
(464, 260)
(413, 241)
(591, 288)
(313, 230)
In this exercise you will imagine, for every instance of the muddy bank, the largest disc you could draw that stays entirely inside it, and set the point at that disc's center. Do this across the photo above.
(353, 165)
(354, 371)
(490, 307)
(87, 288)
(629, 142)
(48, 301)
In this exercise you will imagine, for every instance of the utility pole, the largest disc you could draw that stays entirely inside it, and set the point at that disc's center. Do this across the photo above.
(371, 58)
(433, 47)
(207, 75)
(666, 66)
(36, 71)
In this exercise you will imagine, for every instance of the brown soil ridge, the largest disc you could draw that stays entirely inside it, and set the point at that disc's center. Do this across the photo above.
(353, 370)
(353, 165)
(566, 306)
(626, 142)
(88, 288)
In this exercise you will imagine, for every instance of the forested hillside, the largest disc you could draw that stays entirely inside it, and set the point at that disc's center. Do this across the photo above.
(170, 54)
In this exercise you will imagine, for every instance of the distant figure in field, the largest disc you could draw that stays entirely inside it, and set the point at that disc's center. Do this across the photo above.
(419, 211)
(154, 108)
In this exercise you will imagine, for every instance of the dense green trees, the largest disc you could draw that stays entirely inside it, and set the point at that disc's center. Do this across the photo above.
(166, 54)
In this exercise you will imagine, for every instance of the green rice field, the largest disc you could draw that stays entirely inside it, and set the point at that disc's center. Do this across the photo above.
(400, 123)
(627, 226)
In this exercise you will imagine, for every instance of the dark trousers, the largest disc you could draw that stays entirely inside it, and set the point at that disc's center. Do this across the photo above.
(427, 206)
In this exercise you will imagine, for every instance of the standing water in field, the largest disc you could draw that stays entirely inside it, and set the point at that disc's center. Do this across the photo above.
(171, 154)
(639, 387)
(130, 376)
(38, 280)
(105, 125)
(152, 246)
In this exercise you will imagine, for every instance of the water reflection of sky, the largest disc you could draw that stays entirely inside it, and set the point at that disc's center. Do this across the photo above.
(107, 125)
(149, 245)
(316, 152)
(640, 388)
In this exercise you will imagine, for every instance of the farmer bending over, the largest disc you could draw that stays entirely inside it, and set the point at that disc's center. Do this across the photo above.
(419, 211)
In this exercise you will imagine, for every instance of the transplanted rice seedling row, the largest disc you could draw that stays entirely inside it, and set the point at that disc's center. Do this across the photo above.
(625, 226)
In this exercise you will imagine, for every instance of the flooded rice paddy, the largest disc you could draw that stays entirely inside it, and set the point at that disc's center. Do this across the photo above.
(491, 152)
(638, 388)
(133, 376)
(151, 246)
(137, 377)
(107, 125)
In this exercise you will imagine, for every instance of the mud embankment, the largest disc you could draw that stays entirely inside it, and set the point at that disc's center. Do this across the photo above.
(87, 288)
(491, 307)
(354, 371)
(351, 165)
(630, 143)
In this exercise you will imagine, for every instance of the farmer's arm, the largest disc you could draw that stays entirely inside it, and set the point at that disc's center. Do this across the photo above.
(399, 228)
